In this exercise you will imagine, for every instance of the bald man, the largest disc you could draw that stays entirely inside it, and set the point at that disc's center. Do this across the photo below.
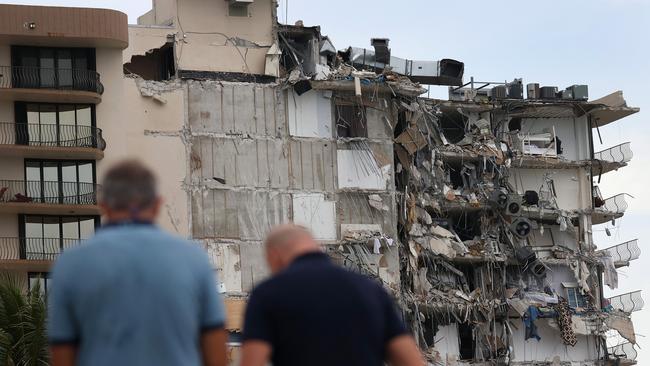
(312, 312)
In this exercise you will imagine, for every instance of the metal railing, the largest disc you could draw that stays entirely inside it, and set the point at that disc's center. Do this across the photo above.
(623, 351)
(618, 154)
(628, 303)
(34, 249)
(51, 135)
(624, 252)
(616, 204)
(50, 78)
(53, 192)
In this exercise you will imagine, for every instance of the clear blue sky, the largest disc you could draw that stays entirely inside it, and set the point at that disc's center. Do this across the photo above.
(602, 43)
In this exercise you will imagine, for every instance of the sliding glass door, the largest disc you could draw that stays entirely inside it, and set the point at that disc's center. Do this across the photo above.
(64, 182)
(45, 237)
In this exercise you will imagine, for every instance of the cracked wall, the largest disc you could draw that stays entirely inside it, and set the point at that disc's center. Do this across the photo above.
(249, 172)
(209, 37)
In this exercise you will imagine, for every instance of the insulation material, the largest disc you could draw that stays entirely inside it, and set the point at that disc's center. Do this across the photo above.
(235, 108)
(310, 114)
(315, 213)
(359, 169)
(354, 208)
(253, 265)
(225, 259)
(243, 215)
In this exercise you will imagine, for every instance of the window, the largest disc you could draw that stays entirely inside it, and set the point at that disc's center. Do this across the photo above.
(575, 299)
(351, 120)
(45, 237)
(40, 280)
(238, 10)
(57, 181)
(44, 124)
(45, 67)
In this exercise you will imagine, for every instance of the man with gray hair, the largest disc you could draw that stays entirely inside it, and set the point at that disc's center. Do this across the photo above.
(133, 294)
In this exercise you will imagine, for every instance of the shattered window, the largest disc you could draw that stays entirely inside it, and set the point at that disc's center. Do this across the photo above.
(351, 120)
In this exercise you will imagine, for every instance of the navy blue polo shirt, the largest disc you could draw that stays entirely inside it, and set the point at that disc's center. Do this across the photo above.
(316, 313)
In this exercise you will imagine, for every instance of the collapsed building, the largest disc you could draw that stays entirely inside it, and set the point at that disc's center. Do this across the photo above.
(476, 212)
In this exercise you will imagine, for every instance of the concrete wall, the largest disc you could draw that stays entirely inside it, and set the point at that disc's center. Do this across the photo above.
(573, 132)
(212, 40)
(145, 38)
(135, 125)
(550, 345)
(573, 186)
(261, 156)
(446, 344)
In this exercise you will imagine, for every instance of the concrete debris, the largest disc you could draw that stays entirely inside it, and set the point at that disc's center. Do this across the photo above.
(623, 325)
(375, 201)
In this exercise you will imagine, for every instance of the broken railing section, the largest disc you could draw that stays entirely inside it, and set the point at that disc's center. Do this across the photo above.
(623, 253)
(628, 303)
(623, 351)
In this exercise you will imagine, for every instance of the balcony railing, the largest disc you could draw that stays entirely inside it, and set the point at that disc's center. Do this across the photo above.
(623, 351)
(34, 249)
(51, 135)
(628, 303)
(615, 204)
(50, 78)
(618, 154)
(623, 253)
(51, 192)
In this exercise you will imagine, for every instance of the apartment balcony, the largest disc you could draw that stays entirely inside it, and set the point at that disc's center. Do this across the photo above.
(628, 303)
(607, 209)
(35, 254)
(51, 141)
(612, 159)
(623, 253)
(54, 85)
(48, 197)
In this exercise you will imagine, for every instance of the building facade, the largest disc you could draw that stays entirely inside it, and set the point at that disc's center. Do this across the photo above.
(476, 212)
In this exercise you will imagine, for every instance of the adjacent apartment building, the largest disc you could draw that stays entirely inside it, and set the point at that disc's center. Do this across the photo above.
(476, 212)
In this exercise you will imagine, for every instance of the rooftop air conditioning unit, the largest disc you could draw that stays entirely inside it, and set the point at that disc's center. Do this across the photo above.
(240, 2)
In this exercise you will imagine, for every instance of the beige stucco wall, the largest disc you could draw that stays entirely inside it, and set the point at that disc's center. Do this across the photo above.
(6, 107)
(143, 38)
(12, 168)
(8, 225)
(208, 39)
(140, 127)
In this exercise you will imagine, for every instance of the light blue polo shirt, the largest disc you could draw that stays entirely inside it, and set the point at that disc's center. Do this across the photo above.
(134, 295)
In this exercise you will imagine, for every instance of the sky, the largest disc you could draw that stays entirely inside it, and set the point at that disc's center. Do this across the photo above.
(602, 43)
